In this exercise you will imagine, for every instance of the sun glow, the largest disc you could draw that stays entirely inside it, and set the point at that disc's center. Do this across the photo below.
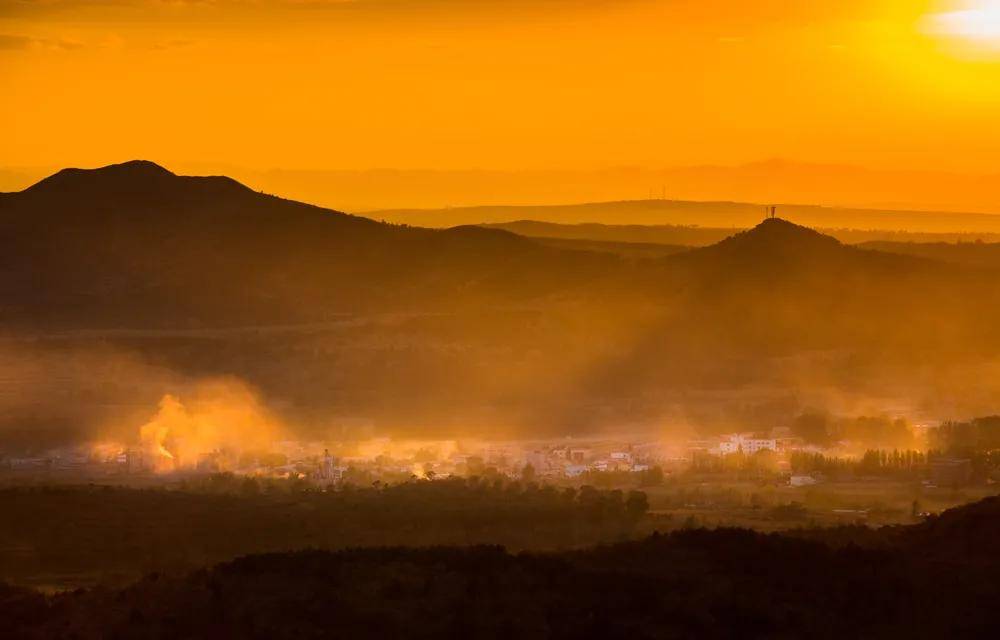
(976, 22)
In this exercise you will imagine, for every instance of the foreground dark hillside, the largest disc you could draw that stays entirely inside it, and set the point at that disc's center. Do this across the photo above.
(925, 581)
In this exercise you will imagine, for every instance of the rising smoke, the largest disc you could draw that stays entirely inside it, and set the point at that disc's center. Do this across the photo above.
(220, 419)
(55, 395)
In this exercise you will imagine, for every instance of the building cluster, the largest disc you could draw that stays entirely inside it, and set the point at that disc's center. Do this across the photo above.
(87, 460)
(777, 440)
(570, 461)
(387, 460)
(377, 459)
(515, 460)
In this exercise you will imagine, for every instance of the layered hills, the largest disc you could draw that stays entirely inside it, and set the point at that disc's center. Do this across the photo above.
(329, 313)
(135, 245)
(704, 214)
(699, 236)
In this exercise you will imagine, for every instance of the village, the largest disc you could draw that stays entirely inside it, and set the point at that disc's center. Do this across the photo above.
(776, 456)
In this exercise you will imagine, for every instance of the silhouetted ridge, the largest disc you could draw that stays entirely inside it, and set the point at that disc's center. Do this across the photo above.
(127, 171)
(133, 244)
(777, 234)
(969, 532)
(133, 179)
(773, 246)
(495, 237)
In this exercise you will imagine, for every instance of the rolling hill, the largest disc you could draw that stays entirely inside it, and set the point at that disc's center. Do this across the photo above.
(135, 245)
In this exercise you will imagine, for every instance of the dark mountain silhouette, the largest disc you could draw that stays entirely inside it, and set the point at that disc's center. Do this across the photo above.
(772, 243)
(781, 250)
(138, 179)
(134, 244)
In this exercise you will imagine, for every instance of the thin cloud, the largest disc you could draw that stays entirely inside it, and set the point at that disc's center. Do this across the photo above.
(24, 7)
(24, 43)
(167, 45)
(14, 43)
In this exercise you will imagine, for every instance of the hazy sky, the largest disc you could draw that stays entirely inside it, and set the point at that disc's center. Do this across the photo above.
(449, 84)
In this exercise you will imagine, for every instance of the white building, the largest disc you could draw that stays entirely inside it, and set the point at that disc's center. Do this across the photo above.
(802, 481)
(747, 444)
(328, 467)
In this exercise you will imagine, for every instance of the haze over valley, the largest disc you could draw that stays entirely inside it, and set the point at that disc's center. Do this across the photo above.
(186, 359)
(472, 329)
(484, 319)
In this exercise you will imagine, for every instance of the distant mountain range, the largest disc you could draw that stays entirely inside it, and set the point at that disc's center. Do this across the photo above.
(772, 181)
(484, 326)
(697, 236)
(714, 216)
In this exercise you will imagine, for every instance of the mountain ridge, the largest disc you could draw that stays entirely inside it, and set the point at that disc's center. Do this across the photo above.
(134, 234)
(200, 232)
(134, 177)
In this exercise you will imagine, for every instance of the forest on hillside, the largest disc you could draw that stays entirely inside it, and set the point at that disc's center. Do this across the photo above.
(934, 579)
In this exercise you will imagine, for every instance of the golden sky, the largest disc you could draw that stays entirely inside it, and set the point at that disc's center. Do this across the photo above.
(506, 84)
